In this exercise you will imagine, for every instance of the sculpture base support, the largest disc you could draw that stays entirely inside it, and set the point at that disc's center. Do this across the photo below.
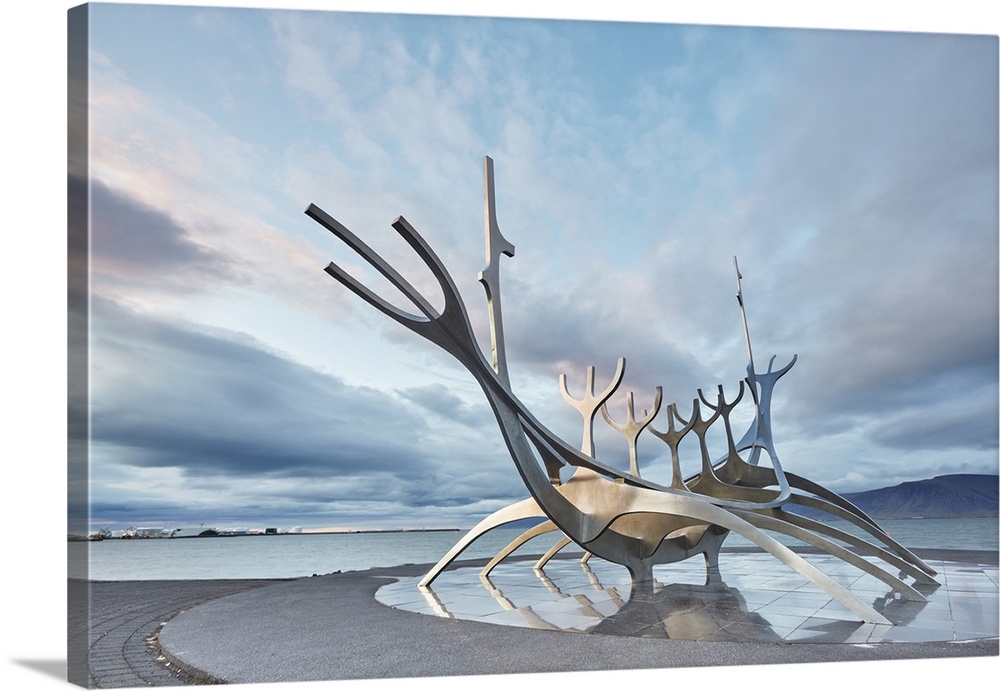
(708, 546)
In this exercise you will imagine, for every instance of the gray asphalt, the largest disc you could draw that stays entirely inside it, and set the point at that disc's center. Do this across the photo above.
(174, 633)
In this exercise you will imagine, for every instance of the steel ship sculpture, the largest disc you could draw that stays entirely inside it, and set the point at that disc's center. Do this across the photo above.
(621, 516)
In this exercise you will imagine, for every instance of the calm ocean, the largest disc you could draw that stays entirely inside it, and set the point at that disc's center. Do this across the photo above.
(292, 556)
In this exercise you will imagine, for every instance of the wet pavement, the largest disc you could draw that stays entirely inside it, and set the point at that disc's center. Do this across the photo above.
(755, 598)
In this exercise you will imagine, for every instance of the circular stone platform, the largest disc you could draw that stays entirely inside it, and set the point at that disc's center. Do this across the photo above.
(757, 599)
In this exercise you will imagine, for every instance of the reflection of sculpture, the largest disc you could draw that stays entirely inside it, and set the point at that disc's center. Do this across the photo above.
(620, 516)
(684, 611)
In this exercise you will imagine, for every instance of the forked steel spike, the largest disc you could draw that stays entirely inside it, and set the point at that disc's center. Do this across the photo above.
(724, 409)
(759, 436)
(632, 428)
(672, 437)
(591, 402)
(731, 476)
(743, 315)
(700, 427)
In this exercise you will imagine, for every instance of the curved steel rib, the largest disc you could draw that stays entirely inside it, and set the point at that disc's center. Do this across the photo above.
(530, 533)
(872, 529)
(526, 508)
(552, 551)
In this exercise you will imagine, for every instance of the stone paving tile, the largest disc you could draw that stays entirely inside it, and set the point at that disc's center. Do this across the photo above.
(124, 619)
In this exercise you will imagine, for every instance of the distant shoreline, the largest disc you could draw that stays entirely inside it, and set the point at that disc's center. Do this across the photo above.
(389, 531)
(365, 531)
(336, 532)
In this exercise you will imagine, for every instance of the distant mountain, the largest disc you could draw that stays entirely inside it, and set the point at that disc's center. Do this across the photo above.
(945, 496)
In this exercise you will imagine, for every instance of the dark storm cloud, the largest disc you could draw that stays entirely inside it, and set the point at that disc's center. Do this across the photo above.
(223, 404)
(77, 323)
(132, 241)
(440, 400)
(563, 333)
(271, 438)
(111, 510)
(933, 428)
(78, 232)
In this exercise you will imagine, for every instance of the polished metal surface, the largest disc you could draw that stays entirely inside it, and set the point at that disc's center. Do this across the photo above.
(619, 516)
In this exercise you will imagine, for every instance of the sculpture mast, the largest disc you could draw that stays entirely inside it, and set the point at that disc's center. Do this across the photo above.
(496, 244)
(746, 330)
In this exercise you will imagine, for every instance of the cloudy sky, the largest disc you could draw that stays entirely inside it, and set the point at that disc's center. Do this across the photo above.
(233, 382)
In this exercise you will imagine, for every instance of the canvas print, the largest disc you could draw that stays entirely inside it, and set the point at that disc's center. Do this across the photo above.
(428, 346)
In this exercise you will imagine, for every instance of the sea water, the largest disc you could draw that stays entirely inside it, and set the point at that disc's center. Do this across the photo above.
(295, 556)
(277, 556)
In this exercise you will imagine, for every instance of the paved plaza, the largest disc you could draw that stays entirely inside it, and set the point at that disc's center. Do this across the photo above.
(377, 624)
(338, 626)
